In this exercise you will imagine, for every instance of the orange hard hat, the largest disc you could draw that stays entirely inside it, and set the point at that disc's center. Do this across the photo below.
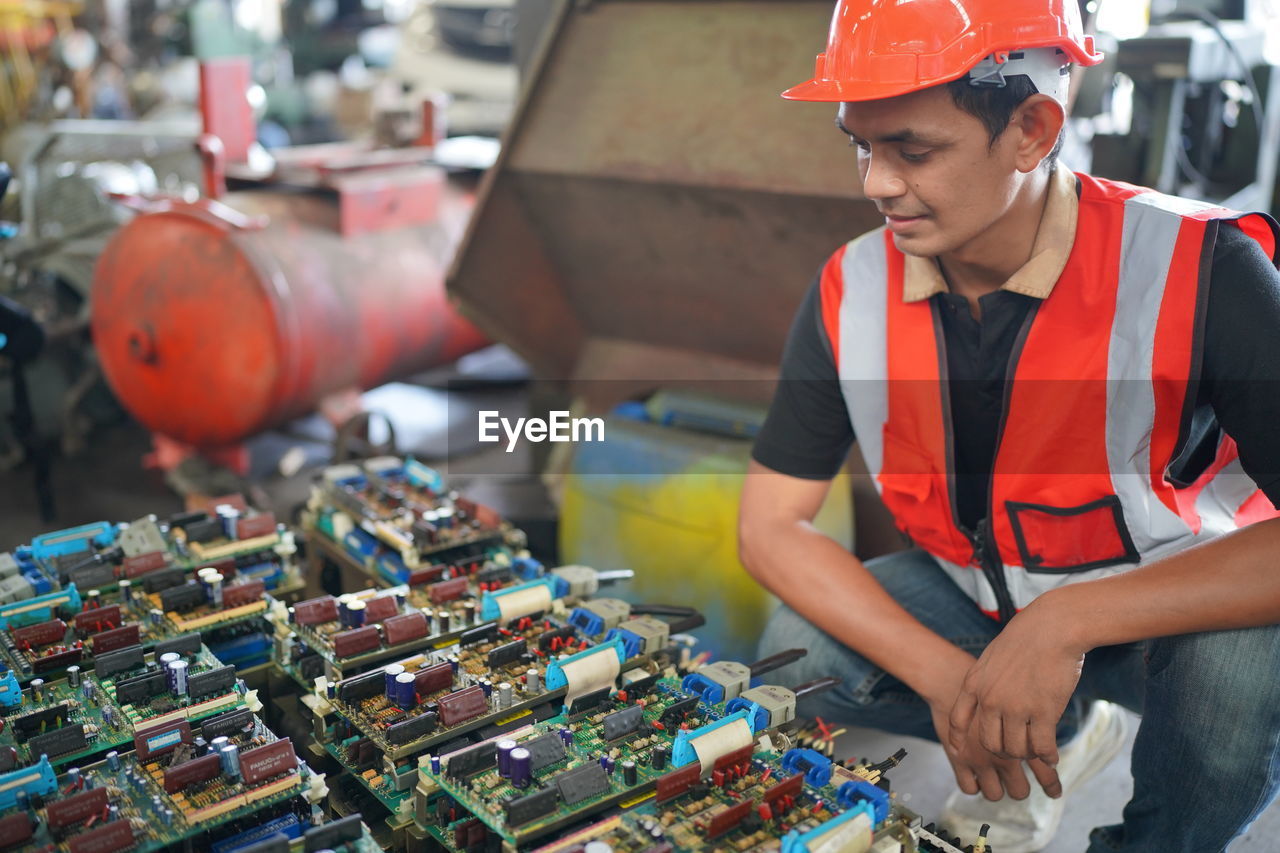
(884, 48)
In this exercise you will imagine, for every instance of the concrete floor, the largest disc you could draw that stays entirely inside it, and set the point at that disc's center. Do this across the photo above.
(110, 483)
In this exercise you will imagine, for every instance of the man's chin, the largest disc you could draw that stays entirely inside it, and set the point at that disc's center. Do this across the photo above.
(914, 244)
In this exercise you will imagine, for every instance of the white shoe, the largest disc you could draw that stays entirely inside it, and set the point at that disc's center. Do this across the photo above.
(1025, 826)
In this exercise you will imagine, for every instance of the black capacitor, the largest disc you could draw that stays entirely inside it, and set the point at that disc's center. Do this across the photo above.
(660, 754)
(629, 775)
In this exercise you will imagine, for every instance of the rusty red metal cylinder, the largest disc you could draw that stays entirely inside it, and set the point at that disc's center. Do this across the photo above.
(214, 321)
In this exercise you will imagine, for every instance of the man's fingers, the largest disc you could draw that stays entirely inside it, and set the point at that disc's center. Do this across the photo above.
(1047, 777)
(965, 778)
(1015, 780)
(1015, 738)
(961, 718)
(989, 783)
(990, 732)
(1043, 741)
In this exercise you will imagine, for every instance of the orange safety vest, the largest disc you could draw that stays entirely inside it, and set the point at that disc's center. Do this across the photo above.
(1098, 409)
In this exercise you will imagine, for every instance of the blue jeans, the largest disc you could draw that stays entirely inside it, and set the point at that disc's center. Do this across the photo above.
(1206, 761)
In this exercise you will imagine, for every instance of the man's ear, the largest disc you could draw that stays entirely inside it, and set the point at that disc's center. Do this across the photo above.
(1039, 119)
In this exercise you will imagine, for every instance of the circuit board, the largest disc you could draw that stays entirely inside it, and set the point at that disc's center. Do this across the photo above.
(164, 793)
(70, 721)
(595, 778)
(394, 516)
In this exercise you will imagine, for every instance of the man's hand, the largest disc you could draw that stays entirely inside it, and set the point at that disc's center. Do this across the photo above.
(977, 768)
(1011, 700)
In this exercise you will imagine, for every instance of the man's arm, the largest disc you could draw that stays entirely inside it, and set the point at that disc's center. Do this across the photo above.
(830, 587)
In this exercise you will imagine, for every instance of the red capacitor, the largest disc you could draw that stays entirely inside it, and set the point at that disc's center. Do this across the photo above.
(118, 638)
(380, 607)
(256, 525)
(402, 629)
(40, 635)
(189, 773)
(143, 563)
(267, 761)
(433, 679)
(117, 835)
(98, 619)
(243, 593)
(450, 590)
(735, 758)
(15, 829)
(217, 321)
(417, 577)
(784, 788)
(316, 611)
(76, 808)
(465, 704)
(355, 641)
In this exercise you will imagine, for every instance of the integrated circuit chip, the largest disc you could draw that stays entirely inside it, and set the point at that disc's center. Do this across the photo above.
(619, 724)
(462, 705)
(412, 728)
(267, 761)
(214, 682)
(544, 751)
(531, 806)
(582, 783)
(122, 660)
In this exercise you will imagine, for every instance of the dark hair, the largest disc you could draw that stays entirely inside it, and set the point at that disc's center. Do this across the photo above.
(994, 105)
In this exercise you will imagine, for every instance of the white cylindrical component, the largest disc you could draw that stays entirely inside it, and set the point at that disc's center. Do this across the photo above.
(522, 602)
(720, 742)
(852, 836)
(590, 673)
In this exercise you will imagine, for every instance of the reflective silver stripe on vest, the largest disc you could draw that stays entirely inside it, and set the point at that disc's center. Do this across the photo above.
(1151, 230)
(1222, 497)
(864, 352)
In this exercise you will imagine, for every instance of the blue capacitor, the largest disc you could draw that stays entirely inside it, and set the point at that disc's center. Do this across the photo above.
(113, 761)
(229, 755)
(126, 591)
(567, 737)
(521, 764)
(505, 748)
(435, 764)
(355, 614)
(178, 677)
(405, 697)
(606, 764)
(391, 672)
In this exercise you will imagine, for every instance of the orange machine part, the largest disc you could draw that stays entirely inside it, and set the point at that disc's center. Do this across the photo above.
(213, 324)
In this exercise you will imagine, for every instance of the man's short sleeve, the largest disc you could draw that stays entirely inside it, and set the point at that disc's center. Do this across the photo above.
(807, 432)
(1242, 354)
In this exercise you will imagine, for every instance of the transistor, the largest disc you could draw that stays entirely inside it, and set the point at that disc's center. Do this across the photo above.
(226, 724)
(506, 654)
(92, 577)
(531, 806)
(58, 741)
(619, 724)
(469, 762)
(118, 661)
(412, 729)
(29, 724)
(186, 645)
(544, 751)
(215, 682)
(205, 530)
(588, 702)
(140, 689)
(58, 660)
(161, 580)
(678, 709)
(267, 761)
(177, 599)
(582, 783)
(352, 690)
(481, 634)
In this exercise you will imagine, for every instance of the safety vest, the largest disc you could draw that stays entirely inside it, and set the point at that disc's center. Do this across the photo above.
(1098, 409)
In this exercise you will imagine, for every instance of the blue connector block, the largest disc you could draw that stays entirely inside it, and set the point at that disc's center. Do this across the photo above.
(815, 766)
(858, 791)
(489, 609)
(73, 540)
(288, 826)
(244, 651)
(392, 567)
(42, 608)
(633, 644)
(587, 622)
(360, 544)
(38, 779)
(556, 678)
(527, 568)
(10, 690)
(423, 477)
(682, 751)
(711, 692)
(795, 842)
(758, 717)
(559, 586)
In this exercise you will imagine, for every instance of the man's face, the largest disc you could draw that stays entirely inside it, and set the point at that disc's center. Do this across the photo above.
(931, 169)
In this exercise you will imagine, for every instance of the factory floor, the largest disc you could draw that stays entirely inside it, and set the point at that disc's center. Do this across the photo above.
(110, 482)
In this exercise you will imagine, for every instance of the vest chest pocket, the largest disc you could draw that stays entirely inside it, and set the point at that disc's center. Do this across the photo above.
(1071, 539)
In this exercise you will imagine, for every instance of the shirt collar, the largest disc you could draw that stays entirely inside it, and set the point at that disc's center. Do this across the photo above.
(922, 277)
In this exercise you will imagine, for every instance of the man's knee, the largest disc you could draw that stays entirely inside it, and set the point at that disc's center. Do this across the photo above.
(824, 655)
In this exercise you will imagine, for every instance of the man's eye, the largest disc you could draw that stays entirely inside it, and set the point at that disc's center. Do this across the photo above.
(915, 156)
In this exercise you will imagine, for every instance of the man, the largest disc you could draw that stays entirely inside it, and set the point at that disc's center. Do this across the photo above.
(1064, 390)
